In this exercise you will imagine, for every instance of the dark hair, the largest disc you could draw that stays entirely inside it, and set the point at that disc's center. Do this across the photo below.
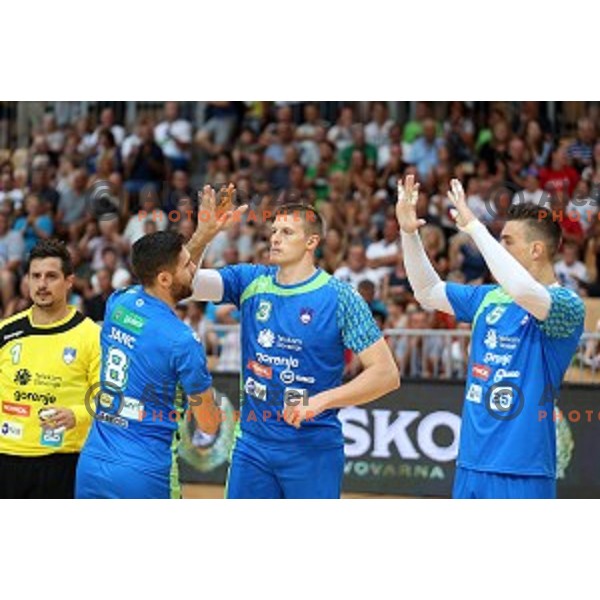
(52, 249)
(540, 223)
(313, 221)
(154, 253)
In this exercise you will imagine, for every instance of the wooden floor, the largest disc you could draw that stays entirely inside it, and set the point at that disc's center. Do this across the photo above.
(216, 492)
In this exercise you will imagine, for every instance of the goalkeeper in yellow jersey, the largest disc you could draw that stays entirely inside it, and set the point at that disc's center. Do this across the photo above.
(49, 364)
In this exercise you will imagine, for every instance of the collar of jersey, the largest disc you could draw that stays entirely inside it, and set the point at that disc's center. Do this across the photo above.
(291, 286)
(69, 316)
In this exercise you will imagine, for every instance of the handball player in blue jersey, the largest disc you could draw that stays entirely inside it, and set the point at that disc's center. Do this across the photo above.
(147, 354)
(525, 330)
(296, 322)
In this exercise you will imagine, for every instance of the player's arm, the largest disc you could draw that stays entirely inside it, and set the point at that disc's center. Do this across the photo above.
(515, 280)
(429, 289)
(213, 216)
(379, 376)
(192, 374)
(80, 414)
(206, 412)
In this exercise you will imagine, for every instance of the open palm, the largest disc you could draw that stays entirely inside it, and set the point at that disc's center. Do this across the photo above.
(406, 207)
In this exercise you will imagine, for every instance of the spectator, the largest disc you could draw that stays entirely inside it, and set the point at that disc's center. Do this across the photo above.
(395, 286)
(382, 255)
(35, 225)
(41, 187)
(538, 147)
(107, 158)
(377, 131)
(145, 164)
(459, 132)
(174, 136)
(592, 173)
(495, 151)
(179, 189)
(72, 214)
(366, 289)
(333, 251)
(414, 128)
(558, 177)
(592, 259)
(583, 205)
(95, 305)
(359, 143)
(309, 135)
(97, 237)
(464, 256)
(424, 151)
(120, 277)
(341, 134)
(9, 193)
(107, 121)
(12, 254)
(532, 192)
(356, 270)
(149, 211)
(217, 132)
(419, 355)
(201, 326)
(580, 152)
(570, 271)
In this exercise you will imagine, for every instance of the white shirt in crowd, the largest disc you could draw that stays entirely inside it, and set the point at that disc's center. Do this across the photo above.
(354, 278)
(382, 249)
(181, 129)
(570, 275)
(135, 226)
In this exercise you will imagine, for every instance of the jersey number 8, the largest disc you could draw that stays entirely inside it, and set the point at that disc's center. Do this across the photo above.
(115, 372)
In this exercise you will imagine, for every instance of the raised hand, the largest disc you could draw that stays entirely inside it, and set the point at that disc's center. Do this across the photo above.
(215, 216)
(406, 207)
(461, 212)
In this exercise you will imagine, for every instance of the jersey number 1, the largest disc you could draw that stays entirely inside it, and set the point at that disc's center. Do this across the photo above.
(15, 353)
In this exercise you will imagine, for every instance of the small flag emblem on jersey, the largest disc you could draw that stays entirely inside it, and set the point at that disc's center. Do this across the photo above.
(69, 355)
(306, 315)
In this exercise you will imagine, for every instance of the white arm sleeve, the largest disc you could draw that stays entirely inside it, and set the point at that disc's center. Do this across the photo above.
(429, 289)
(207, 285)
(514, 278)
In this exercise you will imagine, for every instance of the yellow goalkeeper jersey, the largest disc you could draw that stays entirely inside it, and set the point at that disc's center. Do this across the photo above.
(42, 367)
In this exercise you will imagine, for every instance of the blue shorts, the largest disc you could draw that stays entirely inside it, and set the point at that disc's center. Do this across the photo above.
(97, 478)
(469, 484)
(261, 470)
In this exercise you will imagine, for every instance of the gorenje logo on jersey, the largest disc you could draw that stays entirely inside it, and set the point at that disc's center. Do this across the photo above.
(45, 399)
(278, 361)
(128, 320)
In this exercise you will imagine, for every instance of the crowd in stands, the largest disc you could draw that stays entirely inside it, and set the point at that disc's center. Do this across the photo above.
(100, 186)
